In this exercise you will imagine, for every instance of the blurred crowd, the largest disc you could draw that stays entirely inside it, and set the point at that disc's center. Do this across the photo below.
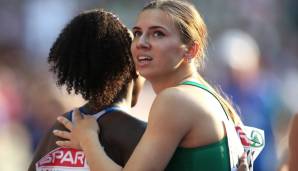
(252, 58)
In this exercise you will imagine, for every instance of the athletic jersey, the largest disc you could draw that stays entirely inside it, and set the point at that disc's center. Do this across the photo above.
(68, 159)
(98, 115)
(211, 157)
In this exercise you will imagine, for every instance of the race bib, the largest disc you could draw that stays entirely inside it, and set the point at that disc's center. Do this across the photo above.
(246, 139)
(253, 141)
(63, 159)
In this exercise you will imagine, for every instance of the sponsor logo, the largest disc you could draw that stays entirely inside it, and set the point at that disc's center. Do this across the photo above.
(257, 139)
(63, 159)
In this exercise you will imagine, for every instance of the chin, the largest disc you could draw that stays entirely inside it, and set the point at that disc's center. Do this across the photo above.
(148, 73)
(144, 74)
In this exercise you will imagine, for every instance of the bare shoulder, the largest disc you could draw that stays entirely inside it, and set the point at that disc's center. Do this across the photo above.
(189, 101)
(174, 104)
(169, 108)
(294, 131)
(293, 144)
(171, 100)
(295, 121)
(175, 95)
(190, 109)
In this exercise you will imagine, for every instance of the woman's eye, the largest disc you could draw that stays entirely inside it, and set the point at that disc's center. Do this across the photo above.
(137, 33)
(158, 34)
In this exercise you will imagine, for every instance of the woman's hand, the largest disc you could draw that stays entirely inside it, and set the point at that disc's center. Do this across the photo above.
(243, 165)
(84, 129)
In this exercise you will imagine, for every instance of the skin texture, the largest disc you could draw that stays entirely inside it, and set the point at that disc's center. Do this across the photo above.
(293, 144)
(161, 33)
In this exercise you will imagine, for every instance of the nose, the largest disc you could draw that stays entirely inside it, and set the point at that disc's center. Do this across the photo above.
(143, 42)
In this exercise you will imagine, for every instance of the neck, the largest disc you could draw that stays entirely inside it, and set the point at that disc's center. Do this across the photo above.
(93, 108)
(124, 101)
(172, 80)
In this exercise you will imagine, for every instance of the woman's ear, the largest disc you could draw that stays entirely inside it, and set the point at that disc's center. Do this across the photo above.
(191, 51)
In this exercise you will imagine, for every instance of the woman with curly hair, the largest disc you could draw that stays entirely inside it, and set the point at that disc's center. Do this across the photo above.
(191, 126)
(92, 57)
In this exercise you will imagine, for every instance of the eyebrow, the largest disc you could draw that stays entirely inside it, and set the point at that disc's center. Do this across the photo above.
(150, 28)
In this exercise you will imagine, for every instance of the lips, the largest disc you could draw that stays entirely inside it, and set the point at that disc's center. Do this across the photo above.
(144, 60)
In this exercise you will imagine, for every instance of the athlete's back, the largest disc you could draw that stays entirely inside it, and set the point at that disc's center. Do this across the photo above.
(116, 136)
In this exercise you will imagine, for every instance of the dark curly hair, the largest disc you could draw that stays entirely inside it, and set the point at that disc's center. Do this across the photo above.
(92, 57)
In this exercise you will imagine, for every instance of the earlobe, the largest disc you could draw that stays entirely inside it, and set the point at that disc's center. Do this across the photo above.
(194, 49)
(188, 57)
(191, 51)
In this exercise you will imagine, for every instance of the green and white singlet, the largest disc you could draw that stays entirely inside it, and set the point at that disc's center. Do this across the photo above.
(211, 157)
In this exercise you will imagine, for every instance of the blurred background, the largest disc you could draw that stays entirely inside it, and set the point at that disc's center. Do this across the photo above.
(252, 57)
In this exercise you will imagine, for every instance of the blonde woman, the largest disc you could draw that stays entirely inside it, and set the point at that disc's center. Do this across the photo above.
(189, 122)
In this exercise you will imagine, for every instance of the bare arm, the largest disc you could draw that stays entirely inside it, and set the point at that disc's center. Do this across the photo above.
(293, 145)
(166, 127)
(85, 131)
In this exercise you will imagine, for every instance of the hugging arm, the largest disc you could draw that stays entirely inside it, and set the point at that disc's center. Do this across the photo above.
(86, 132)
(158, 142)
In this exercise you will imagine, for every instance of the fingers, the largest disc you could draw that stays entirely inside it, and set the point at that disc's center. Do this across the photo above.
(243, 165)
(66, 144)
(62, 134)
(65, 122)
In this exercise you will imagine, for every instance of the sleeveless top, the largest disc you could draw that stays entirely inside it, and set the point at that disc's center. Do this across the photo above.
(66, 159)
(211, 157)
(70, 115)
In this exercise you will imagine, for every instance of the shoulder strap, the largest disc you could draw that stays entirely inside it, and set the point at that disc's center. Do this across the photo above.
(207, 89)
(69, 115)
(99, 114)
(109, 110)
(234, 143)
(240, 138)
